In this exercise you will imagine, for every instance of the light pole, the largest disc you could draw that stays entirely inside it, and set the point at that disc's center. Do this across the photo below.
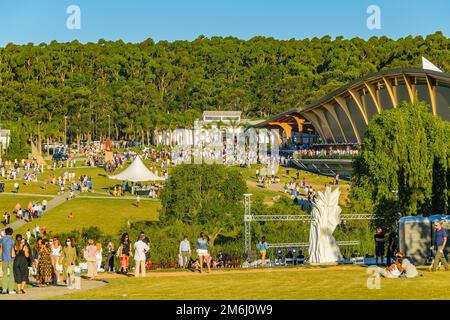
(65, 130)
(109, 126)
(39, 137)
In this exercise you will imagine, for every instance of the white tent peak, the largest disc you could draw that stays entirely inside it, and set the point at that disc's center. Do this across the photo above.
(136, 172)
(426, 64)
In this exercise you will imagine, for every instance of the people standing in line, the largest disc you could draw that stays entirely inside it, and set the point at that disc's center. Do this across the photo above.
(379, 245)
(7, 244)
(56, 256)
(20, 253)
(185, 251)
(90, 254)
(263, 247)
(69, 257)
(440, 240)
(44, 265)
(202, 251)
(109, 266)
(140, 251)
(124, 252)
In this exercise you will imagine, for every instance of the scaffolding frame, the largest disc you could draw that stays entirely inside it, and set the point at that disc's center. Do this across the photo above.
(249, 218)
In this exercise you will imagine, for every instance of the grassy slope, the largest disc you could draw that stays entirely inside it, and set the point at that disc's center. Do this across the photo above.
(316, 180)
(8, 203)
(349, 282)
(109, 215)
(33, 187)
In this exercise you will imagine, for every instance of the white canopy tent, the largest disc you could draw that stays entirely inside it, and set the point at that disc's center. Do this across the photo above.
(137, 172)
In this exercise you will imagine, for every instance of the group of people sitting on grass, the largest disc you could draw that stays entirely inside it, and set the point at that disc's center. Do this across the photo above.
(401, 268)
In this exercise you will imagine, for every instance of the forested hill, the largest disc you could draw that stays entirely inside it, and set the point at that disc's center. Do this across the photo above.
(165, 84)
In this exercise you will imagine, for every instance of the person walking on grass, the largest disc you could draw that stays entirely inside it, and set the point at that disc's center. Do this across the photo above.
(185, 251)
(202, 251)
(124, 253)
(440, 240)
(263, 247)
(20, 253)
(7, 244)
(140, 251)
(90, 254)
(69, 256)
(109, 266)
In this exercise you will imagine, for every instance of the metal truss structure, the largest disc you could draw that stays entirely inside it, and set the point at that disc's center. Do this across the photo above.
(249, 218)
(302, 217)
(306, 244)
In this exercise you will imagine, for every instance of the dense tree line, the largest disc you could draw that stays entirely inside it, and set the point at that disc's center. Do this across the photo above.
(205, 195)
(404, 165)
(148, 86)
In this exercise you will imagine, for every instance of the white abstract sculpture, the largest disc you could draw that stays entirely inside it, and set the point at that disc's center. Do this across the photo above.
(327, 215)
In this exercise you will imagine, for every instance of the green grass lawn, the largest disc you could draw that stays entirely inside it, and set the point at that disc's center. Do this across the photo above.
(100, 180)
(33, 187)
(109, 215)
(267, 194)
(317, 181)
(99, 176)
(346, 282)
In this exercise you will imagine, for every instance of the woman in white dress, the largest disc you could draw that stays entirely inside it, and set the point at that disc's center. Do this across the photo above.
(56, 258)
(98, 256)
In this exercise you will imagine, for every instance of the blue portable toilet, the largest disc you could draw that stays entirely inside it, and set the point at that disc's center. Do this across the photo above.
(415, 238)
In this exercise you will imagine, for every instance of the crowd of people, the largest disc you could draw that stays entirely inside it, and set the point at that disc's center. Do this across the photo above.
(52, 263)
(325, 152)
(227, 154)
(205, 259)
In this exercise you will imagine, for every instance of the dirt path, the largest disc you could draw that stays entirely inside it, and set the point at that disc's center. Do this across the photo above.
(36, 293)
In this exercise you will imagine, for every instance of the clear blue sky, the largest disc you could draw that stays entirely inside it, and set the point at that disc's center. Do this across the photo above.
(23, 21)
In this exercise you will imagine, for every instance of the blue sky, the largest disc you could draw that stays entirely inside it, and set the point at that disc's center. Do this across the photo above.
(23, 21)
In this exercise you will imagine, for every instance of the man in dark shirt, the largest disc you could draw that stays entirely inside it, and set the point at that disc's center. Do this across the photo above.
(440, 239)
(379, 245)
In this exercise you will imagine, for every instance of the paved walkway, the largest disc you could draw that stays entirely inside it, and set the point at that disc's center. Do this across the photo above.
(36, 293)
